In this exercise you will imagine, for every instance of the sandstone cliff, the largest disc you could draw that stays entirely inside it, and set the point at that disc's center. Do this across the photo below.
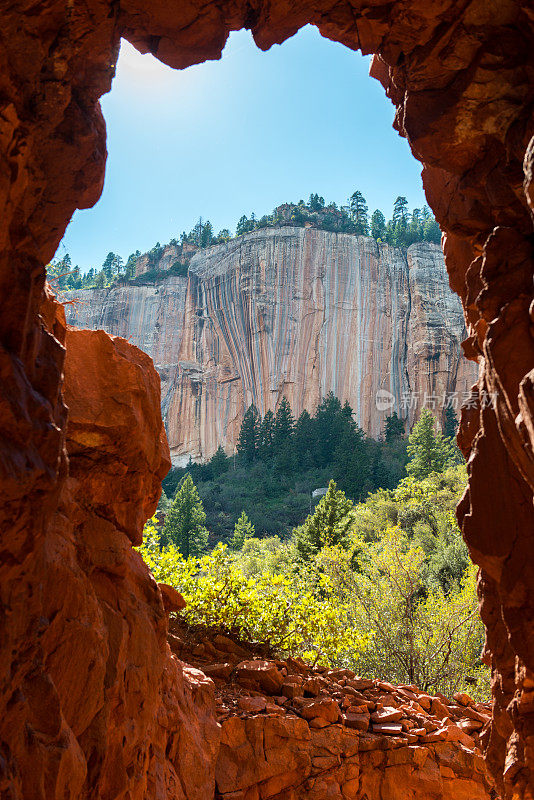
(294, 312)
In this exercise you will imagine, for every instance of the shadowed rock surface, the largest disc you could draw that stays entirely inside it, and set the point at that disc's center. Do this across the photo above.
(461, 78)
(295, 313)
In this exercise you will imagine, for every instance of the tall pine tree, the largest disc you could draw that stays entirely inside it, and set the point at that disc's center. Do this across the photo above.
(394, 427)
(359, 213)
(247, 444)
(184, 524)
(329, 524)
(266, 435)
(428, 449)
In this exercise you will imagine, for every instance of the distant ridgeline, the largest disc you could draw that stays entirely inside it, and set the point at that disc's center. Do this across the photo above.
(403, 229)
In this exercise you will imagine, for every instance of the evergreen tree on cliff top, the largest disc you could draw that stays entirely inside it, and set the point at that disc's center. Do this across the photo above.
(329, 524)
(359, 213)
(184, 524)
(428, 449)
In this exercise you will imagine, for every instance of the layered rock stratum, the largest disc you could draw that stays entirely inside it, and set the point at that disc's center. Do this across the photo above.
(291, 731)
(461, 78)
(296, 313)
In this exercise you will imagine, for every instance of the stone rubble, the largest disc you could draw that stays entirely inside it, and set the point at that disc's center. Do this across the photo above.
(290, 731)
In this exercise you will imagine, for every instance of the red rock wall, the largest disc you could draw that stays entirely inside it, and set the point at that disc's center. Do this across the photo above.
(461, 77)
(93, 703)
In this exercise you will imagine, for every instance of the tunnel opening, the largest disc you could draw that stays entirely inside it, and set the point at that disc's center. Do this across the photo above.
(461, 81)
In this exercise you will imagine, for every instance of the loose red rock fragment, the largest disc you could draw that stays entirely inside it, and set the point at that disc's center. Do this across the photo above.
(172, 600)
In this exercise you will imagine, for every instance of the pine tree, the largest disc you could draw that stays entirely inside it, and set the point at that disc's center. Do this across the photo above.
(283, 425)
(247, 444)
(359, 213)
(316, 202)
(428, 449)
(304, 437)
(378, 225)
(394, 427)
(219, 462)
(266, 435)
(107, 267)
(330, 423)
(352, 462)
(244, 529)
(184, 524)
(329, 524)
(400, 210)
(450, 423)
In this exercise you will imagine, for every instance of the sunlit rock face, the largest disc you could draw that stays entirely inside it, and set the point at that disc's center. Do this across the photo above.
(295, 313)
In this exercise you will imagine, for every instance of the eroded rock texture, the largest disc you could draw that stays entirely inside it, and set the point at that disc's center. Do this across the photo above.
(93, 702)
(461, 77)
(296, 313)
(290, 731)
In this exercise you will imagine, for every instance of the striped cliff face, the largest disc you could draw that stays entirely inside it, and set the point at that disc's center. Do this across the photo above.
(296, 313)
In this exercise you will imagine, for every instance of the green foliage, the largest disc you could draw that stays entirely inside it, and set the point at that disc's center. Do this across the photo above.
(244, 529)
(272, 480)
(420, 635)
(219, 462)
(276, 609)
(359, 213)
(428, 449)
(424, 512)
(279, 463)
(394, 427)
(184, 525)
(450, 423)
(247, 444)
(378, 225)
(329, 525)
(403, 229)
(385, 588)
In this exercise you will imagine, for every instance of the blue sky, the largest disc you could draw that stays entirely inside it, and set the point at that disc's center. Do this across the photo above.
(242, 134)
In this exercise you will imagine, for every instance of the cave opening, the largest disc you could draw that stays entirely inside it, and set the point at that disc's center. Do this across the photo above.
(461, 81)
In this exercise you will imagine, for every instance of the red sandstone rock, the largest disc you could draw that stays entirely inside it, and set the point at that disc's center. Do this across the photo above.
(263, 673)
(76, 663)
(172, 600)
(326, 709)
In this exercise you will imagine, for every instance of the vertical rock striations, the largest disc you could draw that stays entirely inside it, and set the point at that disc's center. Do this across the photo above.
(296, 313)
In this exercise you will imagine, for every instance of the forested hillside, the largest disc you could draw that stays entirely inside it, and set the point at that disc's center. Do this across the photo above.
(402, 229)
(281, 462)
(382, 585)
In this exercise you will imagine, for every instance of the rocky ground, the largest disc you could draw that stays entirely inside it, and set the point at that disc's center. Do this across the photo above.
(290, 731)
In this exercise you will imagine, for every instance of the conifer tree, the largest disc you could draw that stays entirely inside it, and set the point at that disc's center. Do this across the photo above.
(304, 433)
(329, 423)
(394, 427)
(329, 524)
(219, 462)
(450, 423)
(244, 529)
(378, 225)
(359, 213)
(184, 524)
(428, 449)
(247, 444)
(266, 435)
(283, 425)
